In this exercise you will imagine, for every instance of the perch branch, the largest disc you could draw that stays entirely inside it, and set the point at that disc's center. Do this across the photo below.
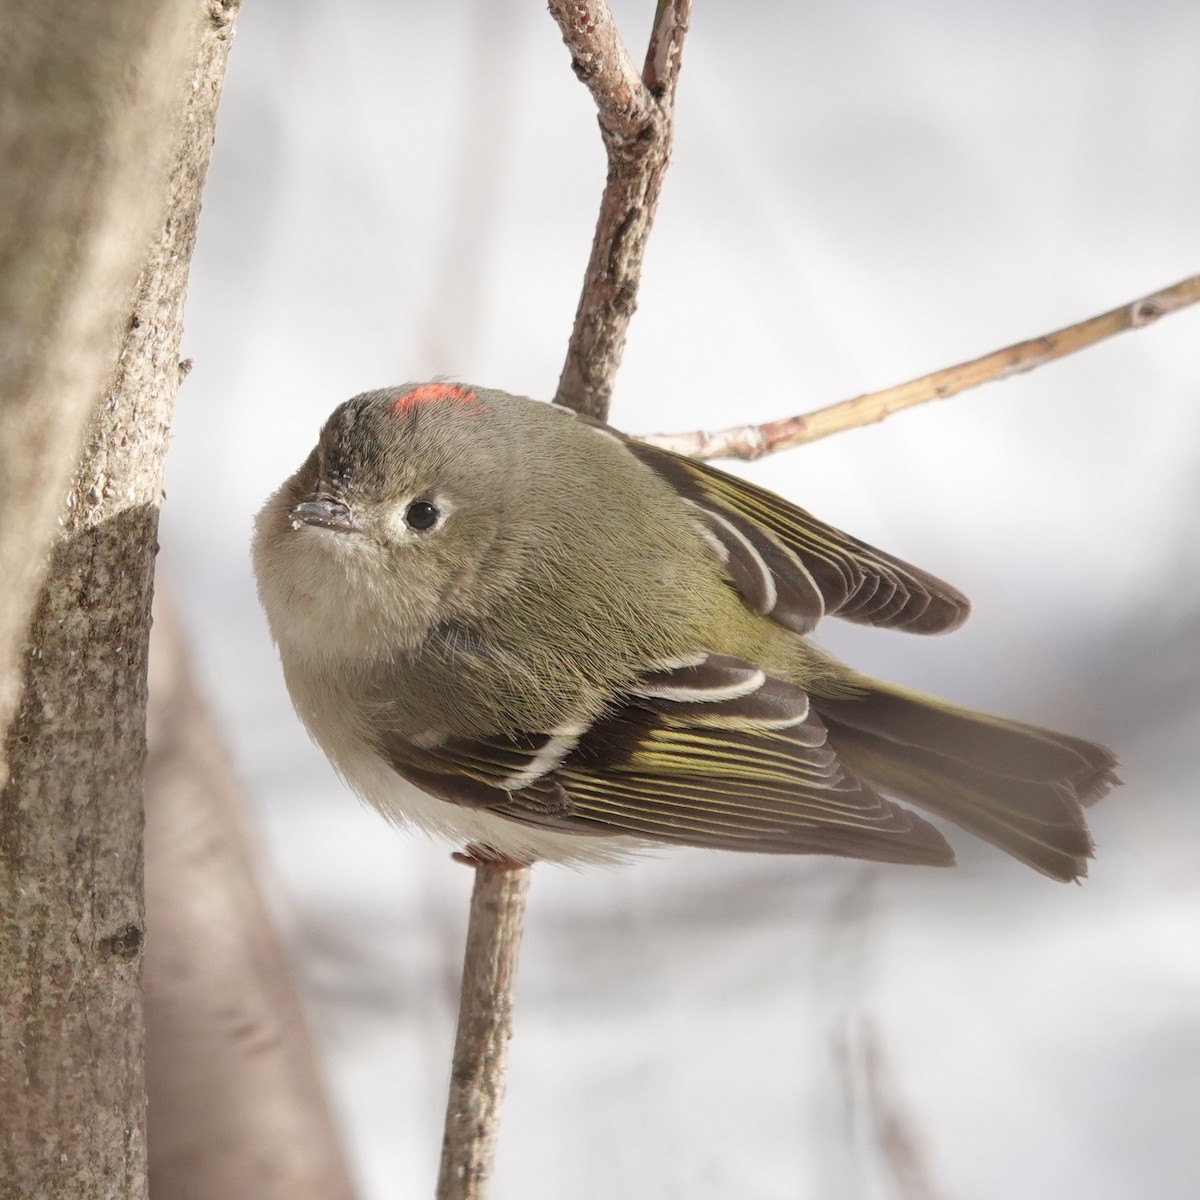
(636, 121)
(484, 1027)
(755, 441)
(637, 124)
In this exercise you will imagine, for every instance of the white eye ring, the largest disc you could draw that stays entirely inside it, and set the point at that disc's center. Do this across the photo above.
(420, 515)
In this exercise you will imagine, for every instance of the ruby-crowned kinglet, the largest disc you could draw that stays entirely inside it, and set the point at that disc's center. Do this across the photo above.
(574, 645)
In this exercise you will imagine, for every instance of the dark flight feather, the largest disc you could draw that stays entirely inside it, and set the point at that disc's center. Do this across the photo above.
(815, 569)
(710, 752)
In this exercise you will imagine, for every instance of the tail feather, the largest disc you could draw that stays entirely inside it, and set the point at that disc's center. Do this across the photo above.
(1017, 786)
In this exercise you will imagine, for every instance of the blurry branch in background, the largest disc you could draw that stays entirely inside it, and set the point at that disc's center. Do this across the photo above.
(755, 441)
(879, 1110)
(237, 1106)
(111, 107)
(636, 123)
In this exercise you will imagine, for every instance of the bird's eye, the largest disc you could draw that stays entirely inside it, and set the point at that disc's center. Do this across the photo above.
(420, 515)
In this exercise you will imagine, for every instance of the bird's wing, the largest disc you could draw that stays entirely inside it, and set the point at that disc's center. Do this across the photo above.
(709, 752)
(796, 569)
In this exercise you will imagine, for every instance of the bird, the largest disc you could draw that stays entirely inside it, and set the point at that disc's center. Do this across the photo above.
(542, 639)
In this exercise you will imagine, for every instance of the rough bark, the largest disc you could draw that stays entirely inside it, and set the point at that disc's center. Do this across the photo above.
(237, 1106)
(71, 930)
(637, 123)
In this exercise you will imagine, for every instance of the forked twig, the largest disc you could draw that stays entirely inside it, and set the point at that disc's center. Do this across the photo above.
(637, 125)
(636, 121)
(755, 441)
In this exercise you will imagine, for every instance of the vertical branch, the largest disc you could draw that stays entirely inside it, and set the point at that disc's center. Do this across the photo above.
(637, 125)
(484, 1027)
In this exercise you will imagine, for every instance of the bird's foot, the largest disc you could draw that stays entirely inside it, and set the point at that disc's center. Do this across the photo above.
(475, 855)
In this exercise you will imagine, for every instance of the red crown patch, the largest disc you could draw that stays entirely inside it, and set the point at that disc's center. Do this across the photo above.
(433, 393)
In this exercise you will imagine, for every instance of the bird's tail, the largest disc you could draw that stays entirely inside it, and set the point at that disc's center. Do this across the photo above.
(1017, 786)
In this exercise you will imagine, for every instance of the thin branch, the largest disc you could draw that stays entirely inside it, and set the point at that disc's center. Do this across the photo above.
(601, 62)
(484, 1027)
(637, 125)
(755, 441)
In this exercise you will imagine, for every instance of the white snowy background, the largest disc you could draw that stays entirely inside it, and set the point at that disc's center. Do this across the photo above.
(861, 193)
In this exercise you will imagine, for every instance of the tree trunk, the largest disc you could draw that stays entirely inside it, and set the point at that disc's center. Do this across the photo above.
(89, 102)
(105, 87)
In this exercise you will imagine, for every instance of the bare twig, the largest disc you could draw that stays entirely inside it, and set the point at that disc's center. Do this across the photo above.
(484, 1027)
(600, 60)
(636, 122)
(637, 125)
(755, 441)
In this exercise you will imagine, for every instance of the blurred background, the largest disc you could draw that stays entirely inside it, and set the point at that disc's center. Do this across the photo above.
(861, 193)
